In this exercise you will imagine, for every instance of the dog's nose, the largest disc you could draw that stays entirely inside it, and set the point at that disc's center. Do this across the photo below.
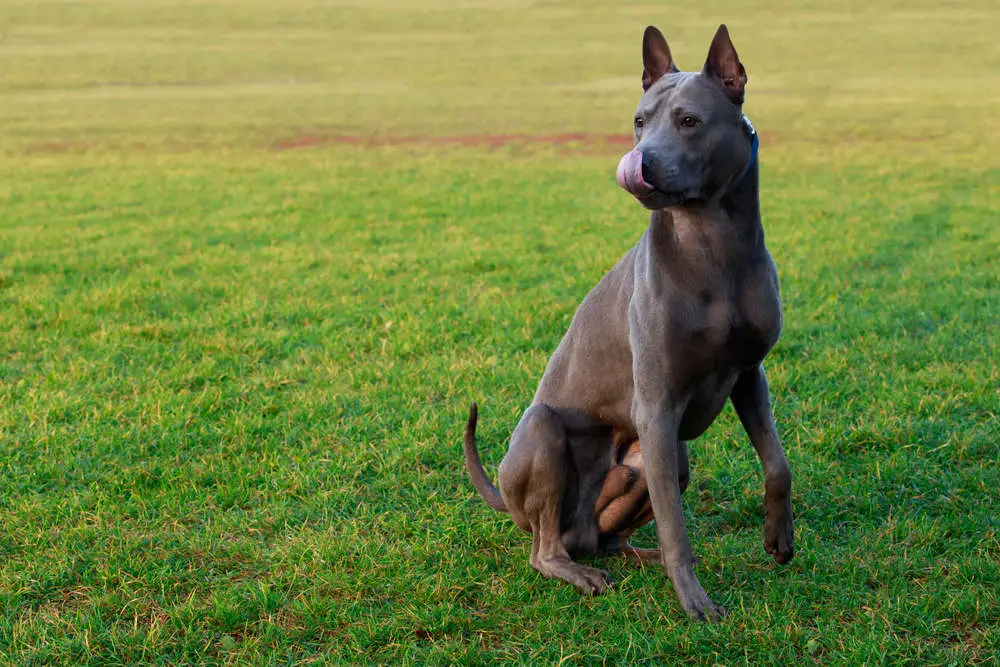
(645, 167)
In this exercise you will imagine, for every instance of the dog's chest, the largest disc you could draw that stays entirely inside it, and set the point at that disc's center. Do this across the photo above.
(728, 338)
(733, 331)
(743, 332)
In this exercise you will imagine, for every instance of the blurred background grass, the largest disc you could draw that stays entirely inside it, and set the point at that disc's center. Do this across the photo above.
(899, 77)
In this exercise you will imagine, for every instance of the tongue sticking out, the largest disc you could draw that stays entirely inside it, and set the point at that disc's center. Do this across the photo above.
(630, 175)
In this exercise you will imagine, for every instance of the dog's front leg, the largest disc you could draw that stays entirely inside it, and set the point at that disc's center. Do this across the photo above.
(657, 427)
(753, 406)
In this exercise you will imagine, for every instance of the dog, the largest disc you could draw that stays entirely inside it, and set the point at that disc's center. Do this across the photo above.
(679, 325)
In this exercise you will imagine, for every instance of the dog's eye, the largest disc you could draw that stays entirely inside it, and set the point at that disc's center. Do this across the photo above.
(638, 122)
(688, 121)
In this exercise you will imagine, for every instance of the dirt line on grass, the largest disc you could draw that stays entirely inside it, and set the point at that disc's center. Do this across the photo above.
(57, 147)
(580, 140)
(568, 143)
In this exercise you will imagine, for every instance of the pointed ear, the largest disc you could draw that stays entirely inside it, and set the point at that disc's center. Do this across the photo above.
(723, 64)
(656, 58)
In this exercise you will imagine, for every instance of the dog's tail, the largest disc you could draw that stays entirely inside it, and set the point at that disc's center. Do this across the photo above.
(483, 485)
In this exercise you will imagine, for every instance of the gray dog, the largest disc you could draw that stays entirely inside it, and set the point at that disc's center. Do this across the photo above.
(681, 323)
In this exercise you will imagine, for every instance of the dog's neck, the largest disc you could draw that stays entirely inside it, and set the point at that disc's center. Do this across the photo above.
(693, 240)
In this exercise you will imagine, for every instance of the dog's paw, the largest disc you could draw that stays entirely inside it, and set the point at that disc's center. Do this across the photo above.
(707, 611)
(593, 581)
(587, 580)
(779, 535)
(693, 598)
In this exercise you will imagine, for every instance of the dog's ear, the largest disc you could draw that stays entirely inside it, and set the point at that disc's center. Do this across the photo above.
(656, 58)
(723, 64)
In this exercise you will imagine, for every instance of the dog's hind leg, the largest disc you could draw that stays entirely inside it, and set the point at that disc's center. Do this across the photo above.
(618, 545)
(533, 478)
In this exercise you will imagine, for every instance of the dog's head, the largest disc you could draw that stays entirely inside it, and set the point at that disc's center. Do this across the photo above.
(691, 140)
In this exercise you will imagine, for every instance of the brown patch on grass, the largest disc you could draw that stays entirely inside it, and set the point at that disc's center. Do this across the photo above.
(57, 147)
(426, 635)
(572, 140)
(67, 601)
(286, 619)
(150, 616)
(567, 143)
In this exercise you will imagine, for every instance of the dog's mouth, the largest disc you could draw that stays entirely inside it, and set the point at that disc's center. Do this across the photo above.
(629, 175)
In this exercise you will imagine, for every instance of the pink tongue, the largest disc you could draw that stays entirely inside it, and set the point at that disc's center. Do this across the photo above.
(630, 174)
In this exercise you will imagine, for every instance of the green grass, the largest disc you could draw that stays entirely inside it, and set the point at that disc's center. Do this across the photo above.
(233, 378)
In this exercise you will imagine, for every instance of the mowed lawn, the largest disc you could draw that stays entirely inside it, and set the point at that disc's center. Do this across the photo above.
(257, 258)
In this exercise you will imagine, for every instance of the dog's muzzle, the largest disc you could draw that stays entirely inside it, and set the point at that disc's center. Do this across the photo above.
(629, 175)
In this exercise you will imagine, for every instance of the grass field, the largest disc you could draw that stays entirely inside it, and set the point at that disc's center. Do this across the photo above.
(256, 259)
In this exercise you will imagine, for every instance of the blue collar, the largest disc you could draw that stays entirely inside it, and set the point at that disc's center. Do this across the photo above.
(754, 145)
